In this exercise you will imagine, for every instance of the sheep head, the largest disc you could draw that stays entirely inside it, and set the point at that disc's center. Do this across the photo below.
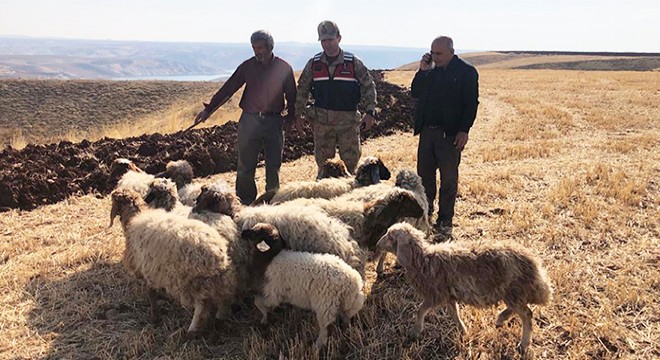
(265, 244)
(385, 212)
(162, 194)
(371, 171)
(180, 171)
(119, 167)
(334, 168)
(398, 240)
(217, 198)
(408, 179)
(125, 203)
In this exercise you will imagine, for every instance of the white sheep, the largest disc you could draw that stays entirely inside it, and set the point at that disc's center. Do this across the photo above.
(185, 257)
(480, 274)
(370, 171)
(305, 229)
(322, 283)
(163, 195)
(369, 221)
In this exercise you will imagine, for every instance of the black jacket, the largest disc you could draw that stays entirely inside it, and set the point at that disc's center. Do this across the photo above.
(447, 98)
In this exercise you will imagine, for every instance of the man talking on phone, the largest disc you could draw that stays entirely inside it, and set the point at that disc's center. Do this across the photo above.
(447, 89)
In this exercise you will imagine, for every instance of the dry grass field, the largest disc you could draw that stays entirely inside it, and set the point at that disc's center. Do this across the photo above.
(564, 162)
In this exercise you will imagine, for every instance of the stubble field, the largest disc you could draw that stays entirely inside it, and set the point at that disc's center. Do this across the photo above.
(563, 162)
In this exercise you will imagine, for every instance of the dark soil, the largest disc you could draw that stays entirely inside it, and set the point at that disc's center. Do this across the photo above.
(45, 174)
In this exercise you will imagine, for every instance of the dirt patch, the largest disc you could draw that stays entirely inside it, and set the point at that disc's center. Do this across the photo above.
(45, 174)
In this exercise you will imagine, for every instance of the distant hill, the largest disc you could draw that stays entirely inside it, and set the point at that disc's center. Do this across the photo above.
(96, 59)
(557, 60)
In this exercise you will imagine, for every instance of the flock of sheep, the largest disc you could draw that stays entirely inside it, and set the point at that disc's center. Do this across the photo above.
(307, 244)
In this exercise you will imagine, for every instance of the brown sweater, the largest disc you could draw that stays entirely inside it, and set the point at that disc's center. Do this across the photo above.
(266, 87)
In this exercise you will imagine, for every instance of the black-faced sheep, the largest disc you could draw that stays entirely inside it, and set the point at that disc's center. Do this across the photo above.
(305, 229)
(370, 171)
(369, 221)
(322, 283)
(186, 258)
(479, 274)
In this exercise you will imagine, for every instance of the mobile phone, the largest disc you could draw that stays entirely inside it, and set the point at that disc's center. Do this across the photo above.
(427, 58)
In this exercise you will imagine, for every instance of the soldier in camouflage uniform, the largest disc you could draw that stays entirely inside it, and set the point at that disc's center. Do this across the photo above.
(337, 81)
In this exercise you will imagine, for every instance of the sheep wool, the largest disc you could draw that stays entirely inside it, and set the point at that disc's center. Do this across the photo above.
(185, 257)
(306, 229)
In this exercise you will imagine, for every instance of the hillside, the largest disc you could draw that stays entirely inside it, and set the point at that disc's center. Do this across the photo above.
(559, 61)
(43, 111)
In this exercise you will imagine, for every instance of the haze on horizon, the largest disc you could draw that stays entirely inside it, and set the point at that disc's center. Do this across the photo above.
(561, 25)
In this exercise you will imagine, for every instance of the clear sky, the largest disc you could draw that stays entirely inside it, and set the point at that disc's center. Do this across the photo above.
(569, 25)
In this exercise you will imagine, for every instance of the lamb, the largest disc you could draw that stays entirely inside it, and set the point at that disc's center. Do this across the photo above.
(322, 283)
(305, 229)
(370, 171)
(472, 273)
(368, 222)
(185, 257)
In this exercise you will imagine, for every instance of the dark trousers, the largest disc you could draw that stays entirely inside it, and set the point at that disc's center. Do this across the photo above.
(255, 133)
(437, 151)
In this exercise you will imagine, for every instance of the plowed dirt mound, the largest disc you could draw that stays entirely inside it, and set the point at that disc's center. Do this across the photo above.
(45, 174)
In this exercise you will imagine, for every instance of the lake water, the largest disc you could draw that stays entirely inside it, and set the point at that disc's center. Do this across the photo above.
(213, 77)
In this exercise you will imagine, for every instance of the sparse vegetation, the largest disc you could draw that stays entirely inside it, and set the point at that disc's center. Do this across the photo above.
(563, 162)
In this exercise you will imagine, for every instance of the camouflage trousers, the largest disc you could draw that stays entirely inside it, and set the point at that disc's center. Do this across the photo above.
(334, 129)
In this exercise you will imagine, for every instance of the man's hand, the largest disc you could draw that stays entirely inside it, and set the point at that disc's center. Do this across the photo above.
(426, 62)
(202, 116)
(461, 140)
(367, 122)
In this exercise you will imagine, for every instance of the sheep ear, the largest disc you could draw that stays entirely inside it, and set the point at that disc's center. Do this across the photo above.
(113, 213)
(263, 246)
(403, 253)
(384, 172)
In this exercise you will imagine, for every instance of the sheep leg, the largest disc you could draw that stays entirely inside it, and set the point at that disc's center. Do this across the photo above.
(203, 310)
(260, 303)
(154, 315)
(504, 316)
(525, 314)
(455, 314)
(324, 321)
(426, 306)
(381, 261)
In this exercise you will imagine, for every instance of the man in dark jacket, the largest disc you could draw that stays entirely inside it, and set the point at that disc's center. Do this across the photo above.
(447, 89)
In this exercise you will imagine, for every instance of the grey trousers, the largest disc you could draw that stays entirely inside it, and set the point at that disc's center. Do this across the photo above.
(437, 151)
(255, 133)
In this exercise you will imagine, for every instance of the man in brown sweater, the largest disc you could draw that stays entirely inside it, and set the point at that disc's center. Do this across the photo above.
(268, 82)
